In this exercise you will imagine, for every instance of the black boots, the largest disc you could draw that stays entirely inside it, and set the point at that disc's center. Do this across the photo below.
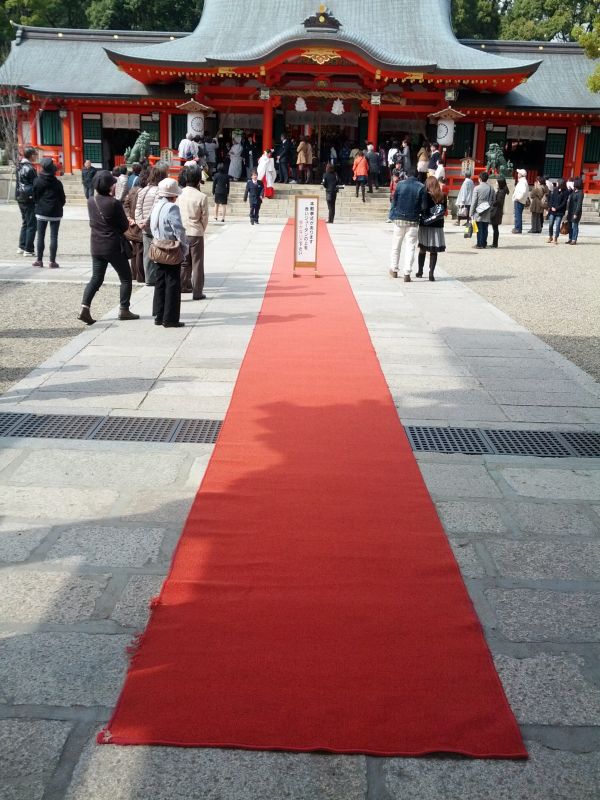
(125, 313)
(85, 316)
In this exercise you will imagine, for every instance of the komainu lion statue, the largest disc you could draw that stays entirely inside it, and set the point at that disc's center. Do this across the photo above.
(496, 164)
(140, 149)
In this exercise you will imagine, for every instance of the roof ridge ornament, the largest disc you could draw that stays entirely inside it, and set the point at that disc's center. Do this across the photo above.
(323, 19)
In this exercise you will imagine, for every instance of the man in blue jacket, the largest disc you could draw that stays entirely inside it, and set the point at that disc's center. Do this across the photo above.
(410, 199)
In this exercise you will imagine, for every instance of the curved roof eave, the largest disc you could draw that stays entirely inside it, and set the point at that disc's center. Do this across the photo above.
(119, 56)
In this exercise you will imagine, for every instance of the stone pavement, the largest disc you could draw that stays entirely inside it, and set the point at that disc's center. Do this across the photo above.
(88, 528)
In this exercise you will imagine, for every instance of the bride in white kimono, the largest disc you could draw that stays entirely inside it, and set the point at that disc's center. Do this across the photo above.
(267, 173)
(235, 159)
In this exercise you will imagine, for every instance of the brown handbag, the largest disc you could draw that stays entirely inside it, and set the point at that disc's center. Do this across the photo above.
(167, 252)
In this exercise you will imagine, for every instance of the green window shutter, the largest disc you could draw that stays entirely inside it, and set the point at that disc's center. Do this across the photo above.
(178, 129)
(556, 140)
(494, 137)
(51, 128)
(92, 128)
(592, 146)
(463, 140)
(153, 128)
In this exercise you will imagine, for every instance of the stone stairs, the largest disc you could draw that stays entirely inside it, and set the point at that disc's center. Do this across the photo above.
(349, 208)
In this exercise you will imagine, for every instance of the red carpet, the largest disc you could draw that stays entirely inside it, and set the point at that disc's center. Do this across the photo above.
(314, 602)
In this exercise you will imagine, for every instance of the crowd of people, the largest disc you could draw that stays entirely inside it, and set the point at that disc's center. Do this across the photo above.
(150, 227)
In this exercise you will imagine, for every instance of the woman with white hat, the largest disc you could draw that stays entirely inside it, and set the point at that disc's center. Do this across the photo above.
(520, 198)
(169, 249)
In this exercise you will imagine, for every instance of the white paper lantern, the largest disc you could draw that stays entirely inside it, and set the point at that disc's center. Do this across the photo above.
(445, 132)
(300, 104)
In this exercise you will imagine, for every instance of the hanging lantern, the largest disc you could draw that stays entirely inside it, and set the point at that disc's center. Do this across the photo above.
(337, 108)
(300, 104)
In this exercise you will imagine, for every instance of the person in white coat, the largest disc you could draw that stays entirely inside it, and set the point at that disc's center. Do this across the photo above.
(236, 162)
(464, 199)
(520, 197)
(267, 173)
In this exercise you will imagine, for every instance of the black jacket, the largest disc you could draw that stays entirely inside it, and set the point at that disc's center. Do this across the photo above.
(108, 223)
(254, 191)
(498, 207)
(49, 195)
(286, 151)
(87, 176)
(221, 184)
(330, 182)
(575, 205)
(26, 176)
(430, 204)
(374, 160)
(558, 200)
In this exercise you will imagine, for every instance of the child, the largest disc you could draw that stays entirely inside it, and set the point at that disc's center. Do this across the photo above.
(254, 192)
(393, 183)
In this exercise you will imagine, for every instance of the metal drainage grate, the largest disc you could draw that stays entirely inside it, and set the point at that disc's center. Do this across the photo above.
(475, 441)
(136, 429)
(543, 444)
(56, 426)
(447, 440)
(116, 429)
(585, 444)
(8, 422)
(198, 431)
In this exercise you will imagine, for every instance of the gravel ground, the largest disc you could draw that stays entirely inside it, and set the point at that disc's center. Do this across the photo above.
(38, 316)
(552, 290)
(36, 319)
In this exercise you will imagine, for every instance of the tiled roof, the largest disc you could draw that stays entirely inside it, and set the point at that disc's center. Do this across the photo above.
(559, 83)
(414, 34)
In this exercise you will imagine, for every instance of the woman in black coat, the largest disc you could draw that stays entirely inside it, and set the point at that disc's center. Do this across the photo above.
(108, 223)
(575, 210)
(221, 184)
(330, 182)
(557, 206)
(498, 210)
(49, 199)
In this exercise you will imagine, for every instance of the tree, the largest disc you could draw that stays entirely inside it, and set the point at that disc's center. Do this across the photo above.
(589, 39)
(476, 19)
(166, 15)
(546, 20)
(45, 13)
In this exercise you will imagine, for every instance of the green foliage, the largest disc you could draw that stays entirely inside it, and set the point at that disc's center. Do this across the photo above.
(589, 39)
(476, 19)
(546, 20)
(166, 15)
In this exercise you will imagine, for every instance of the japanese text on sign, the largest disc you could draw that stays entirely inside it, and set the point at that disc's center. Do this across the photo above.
(306, 231)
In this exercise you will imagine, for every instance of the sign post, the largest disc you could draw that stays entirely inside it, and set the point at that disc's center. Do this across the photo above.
(306, 225)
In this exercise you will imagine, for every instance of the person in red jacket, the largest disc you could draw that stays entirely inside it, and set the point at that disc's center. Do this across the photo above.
(360, 171)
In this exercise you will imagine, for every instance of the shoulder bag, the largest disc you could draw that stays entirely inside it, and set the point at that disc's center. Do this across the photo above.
(167, 252)
(434, 214)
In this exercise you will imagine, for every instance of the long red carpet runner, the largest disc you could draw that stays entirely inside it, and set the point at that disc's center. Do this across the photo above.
(314, 602)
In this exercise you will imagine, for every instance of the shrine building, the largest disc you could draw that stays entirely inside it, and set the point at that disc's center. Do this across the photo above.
(86, 94)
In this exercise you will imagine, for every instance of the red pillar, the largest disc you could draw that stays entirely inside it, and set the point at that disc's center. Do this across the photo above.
(569, 162)
(164, 130)
(66, 138)
(579, 151)
(33, 127)
(268, 125)
(78, 140)
(480, 146)
(373, 126)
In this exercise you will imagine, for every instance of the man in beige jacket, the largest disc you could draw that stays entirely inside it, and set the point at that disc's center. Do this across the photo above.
(193, 205)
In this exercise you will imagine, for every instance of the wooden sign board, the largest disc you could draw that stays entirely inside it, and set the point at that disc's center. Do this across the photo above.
(306, 226)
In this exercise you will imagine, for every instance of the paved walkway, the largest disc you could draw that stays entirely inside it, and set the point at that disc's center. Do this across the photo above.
(88, 528)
